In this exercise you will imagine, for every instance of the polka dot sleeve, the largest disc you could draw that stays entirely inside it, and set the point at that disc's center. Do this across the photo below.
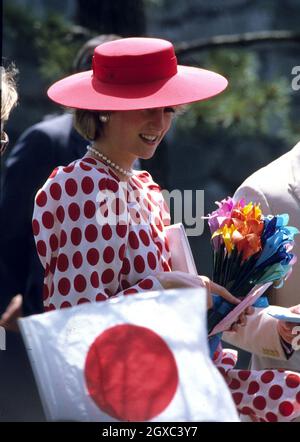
(87, 252)
(261, 395)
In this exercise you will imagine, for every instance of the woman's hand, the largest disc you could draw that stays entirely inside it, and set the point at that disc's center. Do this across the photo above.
(177, 280)
(216, 289)
(285, 329)
(221, 291)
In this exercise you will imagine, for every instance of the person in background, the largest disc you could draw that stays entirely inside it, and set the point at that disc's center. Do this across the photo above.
(19, 396)
(9, 98)
(37, 152)
(276, 188)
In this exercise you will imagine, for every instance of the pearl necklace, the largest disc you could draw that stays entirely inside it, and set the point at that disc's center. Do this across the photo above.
(109, 162)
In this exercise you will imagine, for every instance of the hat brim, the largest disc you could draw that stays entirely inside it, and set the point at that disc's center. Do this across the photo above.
(190, 84)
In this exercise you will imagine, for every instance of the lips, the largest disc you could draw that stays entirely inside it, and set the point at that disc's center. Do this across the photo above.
(149, 139)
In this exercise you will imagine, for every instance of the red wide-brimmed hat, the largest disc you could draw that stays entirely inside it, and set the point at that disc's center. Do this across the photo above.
(136, 73)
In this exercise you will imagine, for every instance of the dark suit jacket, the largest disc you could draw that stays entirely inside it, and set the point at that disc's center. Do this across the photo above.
(39, 150)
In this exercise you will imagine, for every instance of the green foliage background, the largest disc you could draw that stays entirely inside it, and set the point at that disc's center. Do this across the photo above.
(51, 42)
(250, 106)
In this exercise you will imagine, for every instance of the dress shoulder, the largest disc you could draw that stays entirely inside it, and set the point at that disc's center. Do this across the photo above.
(147, 180)
(80, 169)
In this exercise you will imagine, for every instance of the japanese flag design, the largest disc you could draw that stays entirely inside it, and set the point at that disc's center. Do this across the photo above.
(139, 358)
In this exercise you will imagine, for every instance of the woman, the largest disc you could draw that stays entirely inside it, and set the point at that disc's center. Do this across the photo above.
(99, 225)
(92, 259)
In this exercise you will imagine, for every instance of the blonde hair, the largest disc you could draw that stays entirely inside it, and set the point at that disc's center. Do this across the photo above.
(9, 95)
(87, 123)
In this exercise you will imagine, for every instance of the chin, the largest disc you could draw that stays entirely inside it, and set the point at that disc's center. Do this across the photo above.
(147, 157)
(149, 154)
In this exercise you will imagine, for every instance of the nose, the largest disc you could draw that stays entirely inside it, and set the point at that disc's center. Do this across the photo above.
(156, 119)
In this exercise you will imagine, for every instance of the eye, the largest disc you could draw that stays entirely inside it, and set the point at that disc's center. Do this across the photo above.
(169, 109)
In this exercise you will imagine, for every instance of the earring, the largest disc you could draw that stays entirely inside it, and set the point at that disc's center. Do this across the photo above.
(104, 118)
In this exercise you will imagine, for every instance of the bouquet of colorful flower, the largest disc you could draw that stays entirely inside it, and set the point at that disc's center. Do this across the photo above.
(249, 249)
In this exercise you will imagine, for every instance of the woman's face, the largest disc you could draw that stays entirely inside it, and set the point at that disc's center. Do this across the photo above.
(136, 134)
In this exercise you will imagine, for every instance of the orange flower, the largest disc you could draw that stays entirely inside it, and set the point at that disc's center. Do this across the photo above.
(249, 245)
(243, 230)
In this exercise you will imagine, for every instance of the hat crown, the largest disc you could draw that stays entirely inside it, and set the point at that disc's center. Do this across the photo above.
(136, 73)
(134, 60)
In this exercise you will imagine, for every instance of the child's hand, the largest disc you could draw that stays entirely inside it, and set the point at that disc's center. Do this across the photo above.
(285, 329)
(14, 311)
(242, 319)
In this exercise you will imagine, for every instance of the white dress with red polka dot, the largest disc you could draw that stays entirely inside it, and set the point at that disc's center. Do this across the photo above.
(97, 236)
(261, 395)
(90, 255)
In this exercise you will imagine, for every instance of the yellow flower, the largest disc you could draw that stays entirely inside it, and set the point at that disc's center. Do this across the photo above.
(226, 232)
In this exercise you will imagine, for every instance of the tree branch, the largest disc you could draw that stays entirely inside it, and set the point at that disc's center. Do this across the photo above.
(246, 39)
